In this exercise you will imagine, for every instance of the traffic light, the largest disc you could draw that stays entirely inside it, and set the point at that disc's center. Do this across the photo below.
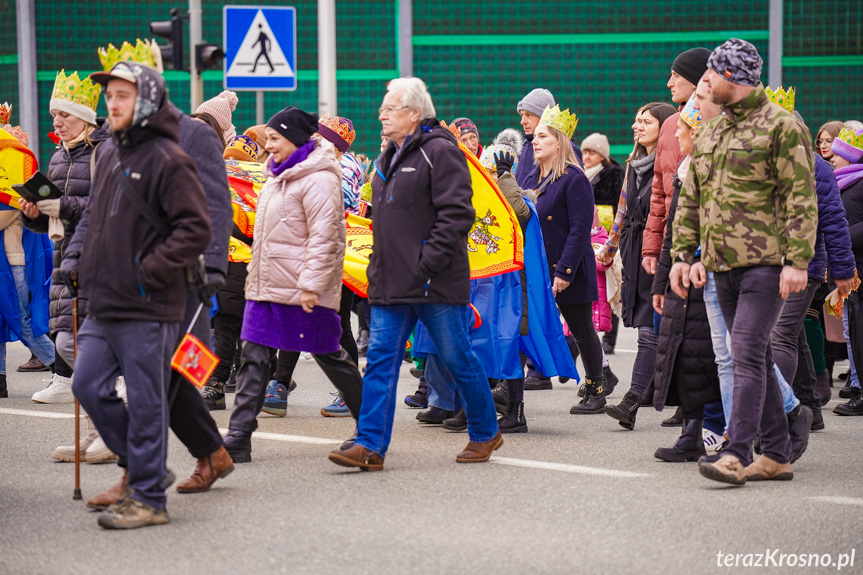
(172, 30)
(208, 57)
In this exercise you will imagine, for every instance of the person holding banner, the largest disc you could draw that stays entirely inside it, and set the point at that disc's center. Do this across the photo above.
(134, 279)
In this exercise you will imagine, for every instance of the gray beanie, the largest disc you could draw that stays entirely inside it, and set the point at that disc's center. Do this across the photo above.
(536, 102)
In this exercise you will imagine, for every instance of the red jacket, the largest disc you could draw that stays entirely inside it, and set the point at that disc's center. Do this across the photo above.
(668, 157)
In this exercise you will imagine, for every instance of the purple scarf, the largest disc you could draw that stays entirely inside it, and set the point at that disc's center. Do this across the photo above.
(848, 175)
(301, 154)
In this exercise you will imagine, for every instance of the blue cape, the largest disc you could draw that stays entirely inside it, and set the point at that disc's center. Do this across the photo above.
(37, 253)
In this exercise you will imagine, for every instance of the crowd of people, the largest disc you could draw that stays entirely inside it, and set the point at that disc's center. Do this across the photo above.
(719, 240)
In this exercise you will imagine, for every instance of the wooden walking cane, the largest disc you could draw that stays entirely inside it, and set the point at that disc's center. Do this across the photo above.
(77, 493)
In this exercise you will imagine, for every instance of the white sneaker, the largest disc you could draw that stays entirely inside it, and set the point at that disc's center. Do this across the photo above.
(58, 391)
(120, 386)
(306, 356)
(98, 452)
(712, 441)
(67, 452)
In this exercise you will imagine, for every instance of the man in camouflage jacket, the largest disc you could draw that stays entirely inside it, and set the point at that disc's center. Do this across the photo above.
(749, 202)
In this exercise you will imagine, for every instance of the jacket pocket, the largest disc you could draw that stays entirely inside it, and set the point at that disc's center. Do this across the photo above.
(747, 164)
(400, 191)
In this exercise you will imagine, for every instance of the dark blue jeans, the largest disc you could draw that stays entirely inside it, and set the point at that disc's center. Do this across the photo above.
(448, 327)
(141, 351)
(751, 305)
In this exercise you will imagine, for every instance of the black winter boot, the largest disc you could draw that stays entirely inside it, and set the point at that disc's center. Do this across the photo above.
(239, 446)
(675, 420)
(500, 395)
(513, 421)
(593, 401)
(610, 381)
(458, 422)
(854, 405)
(688, 447)
(214, 395)
(421, 397)
(626, 410)
(3, 391)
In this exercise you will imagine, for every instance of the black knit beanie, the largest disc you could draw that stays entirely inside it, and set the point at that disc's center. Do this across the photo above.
(295, 125)
(691, 64)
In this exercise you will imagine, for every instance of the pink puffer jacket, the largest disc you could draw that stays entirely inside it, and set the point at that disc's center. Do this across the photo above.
(601, 307)
(299, 240)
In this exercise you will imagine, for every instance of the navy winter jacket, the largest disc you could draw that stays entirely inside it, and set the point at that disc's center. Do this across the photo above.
(833, 242)
(524, 171)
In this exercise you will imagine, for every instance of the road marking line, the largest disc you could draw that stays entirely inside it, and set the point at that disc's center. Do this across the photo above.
(620, 349)
(838, 500)
(290, 438)
(27, 412)
(565, 467)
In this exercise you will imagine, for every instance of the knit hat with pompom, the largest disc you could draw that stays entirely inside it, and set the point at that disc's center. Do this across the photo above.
(221, 108)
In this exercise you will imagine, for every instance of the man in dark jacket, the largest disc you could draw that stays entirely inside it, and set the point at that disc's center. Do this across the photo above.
(419, 270)
(134, 279)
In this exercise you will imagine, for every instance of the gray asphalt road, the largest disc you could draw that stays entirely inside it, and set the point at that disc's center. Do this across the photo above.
(575, 495)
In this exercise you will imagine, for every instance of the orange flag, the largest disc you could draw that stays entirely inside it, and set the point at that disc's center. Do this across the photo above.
(194, 360)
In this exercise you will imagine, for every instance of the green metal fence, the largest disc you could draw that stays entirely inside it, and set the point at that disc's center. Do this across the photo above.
(600, 59)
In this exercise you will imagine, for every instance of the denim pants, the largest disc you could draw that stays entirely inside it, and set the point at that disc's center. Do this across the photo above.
(852, 377)
(448, 327)
(141, 351)
(42, 346)
(442, 392)
(725, 365)
(751, 305)
(791, 350)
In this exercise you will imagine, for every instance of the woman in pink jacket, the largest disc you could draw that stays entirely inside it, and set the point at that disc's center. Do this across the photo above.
(294, 285)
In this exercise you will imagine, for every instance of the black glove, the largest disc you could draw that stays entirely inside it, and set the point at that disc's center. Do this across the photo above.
(504, 162)
(215, 282)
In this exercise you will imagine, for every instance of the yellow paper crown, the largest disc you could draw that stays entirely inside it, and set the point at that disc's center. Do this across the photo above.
(563, 121)
(851, 137)
(5, 113)
(690, 115)
(145, 52)
(73, 89)
(782, 98)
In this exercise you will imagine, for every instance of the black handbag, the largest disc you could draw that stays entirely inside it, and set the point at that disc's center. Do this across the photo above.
(196, 271)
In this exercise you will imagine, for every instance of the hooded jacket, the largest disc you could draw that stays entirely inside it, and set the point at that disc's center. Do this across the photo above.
(126, 269)
(300, 232)
(421, 218)
(833, 243)
(69, 169)
(668, 157)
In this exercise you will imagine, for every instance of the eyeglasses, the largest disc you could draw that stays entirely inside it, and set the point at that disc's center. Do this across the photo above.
(390, 109)
(819, 142)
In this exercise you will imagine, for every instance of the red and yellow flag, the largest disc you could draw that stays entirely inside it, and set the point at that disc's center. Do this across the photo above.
(194, 360)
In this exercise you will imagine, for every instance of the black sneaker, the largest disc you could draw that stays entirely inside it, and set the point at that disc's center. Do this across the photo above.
(817, 422)
(214, 395)
(854, 405)
(846, 392)
(533, 383)
(456, 423)
(420, 398)
(434, 415)
(500, 395)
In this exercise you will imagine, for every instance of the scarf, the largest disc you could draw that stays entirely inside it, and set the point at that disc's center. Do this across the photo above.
(593, 172)
(300, 154)
(641, 167)
(849, 175)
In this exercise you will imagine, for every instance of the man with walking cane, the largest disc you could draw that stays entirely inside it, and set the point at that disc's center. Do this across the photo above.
(135, 281)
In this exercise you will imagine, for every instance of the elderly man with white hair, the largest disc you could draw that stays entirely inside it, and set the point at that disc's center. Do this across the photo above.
(419, 271)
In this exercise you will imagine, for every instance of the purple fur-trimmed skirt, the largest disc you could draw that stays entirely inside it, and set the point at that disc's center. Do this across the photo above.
(290, 328)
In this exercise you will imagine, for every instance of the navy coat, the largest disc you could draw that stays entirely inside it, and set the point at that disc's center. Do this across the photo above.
(565, 210)
(833, 243)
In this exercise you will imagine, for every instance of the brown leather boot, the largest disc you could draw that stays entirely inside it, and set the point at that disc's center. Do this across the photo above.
(34, 364)
(358, 456)
(215, 466)
(109, 497)
(765, 469)
(477, 452)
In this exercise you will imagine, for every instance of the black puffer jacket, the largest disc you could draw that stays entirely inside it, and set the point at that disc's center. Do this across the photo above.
(70, 171)
(685, 365)
(607, 184)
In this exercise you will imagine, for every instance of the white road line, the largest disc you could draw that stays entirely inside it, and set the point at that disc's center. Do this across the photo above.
(621, 350)
(838, 500)
(29, 413)
(290, 438)
(565, 467)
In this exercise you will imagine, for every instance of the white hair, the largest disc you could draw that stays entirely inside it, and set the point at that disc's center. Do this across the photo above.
(415, 95)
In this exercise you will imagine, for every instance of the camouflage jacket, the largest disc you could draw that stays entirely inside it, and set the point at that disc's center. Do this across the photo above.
(749, 195)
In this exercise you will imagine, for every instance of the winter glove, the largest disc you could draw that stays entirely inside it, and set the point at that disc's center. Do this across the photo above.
(215, 282)
(50, 208)
(70, 280)
(504, 162)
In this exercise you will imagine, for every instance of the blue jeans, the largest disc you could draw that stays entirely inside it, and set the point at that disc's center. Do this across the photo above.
(42, 346)
(852, 377)
(724, 363)
(442, 392)
(448, 327)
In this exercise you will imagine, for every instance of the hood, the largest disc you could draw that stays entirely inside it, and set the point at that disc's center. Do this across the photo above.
(322, 158)
(154, 114)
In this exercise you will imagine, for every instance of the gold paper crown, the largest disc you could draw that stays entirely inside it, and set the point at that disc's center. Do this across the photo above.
(344, 130)
(5, 113)
(690, 115)
(145, 52)
(563, 121)
(851, 137)
(73, 89)
(782, 98)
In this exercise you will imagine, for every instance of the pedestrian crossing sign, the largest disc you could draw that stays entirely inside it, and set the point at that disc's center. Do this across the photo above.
(260, 47)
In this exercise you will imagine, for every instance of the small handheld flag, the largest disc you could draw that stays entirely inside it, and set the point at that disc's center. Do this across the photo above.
(193, 359)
